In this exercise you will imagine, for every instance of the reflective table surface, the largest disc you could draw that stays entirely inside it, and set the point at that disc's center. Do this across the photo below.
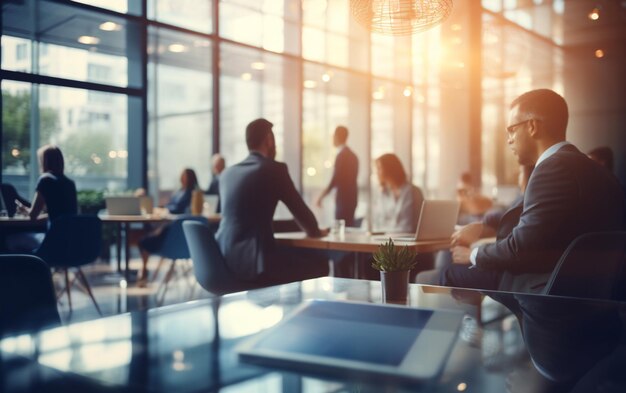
(507, 342)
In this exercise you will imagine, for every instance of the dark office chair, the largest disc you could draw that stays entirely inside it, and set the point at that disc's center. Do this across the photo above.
(209, 266)
(71, 242)
(591, 267)
(174, 247)
(27, 300)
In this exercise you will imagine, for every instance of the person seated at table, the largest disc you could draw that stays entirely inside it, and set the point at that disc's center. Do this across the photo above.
(567, 195)
(473, 203)
(250, 191)
(401, 200)
(55, 194)
(179, 203)
(486, 228)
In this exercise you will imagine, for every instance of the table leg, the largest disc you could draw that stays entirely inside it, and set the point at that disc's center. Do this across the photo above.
(118, 246)
(357, 264)
(126, 256)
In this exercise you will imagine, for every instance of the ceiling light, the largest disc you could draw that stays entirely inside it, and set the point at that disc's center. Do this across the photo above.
(407, 91)
(110, 26)
(177, 48)
(88, 40)
(400, 17)
(246, 76)
(309, 84)
(599, 53)
(594, 14)
(326, 77)
(258, 65)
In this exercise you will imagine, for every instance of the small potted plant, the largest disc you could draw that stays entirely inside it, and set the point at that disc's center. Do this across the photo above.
(394, 264)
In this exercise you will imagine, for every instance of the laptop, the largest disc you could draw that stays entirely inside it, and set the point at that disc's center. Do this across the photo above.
(123, 206)
(349, 338)
(437, 221)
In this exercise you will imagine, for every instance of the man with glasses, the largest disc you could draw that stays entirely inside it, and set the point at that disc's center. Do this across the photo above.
(567, 195)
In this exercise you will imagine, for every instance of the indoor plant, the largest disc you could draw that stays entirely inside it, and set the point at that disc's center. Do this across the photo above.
(394, 264)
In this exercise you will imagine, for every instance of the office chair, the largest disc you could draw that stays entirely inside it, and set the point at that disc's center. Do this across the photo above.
(27, 300)
(591, 267)
(209, 265)
(71, 242)
(174, 247)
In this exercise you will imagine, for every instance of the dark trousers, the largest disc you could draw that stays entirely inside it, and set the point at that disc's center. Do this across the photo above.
(462, 276)
(345, 213)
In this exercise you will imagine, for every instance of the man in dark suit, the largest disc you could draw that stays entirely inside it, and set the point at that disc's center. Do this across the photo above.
(567, 195)
(344, 179)
(250, 191)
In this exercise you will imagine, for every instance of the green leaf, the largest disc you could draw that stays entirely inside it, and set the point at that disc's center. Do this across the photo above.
(389, 258)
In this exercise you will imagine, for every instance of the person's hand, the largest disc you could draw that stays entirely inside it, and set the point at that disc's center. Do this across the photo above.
(467, 235)
(461, 255)
(20, 209)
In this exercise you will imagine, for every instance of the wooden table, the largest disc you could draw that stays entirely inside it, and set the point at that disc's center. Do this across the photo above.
(357, 242)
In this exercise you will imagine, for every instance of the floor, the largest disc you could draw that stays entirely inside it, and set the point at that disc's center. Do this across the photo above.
(115, 295)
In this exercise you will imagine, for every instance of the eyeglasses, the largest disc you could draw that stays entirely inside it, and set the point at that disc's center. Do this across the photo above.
(511, 128)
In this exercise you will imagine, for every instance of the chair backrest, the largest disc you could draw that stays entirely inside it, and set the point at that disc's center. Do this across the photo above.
(71, 241)
(174, 245)
(209, 265)
(590, 267)
(27, 299)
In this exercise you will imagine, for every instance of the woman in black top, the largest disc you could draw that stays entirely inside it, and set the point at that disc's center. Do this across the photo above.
(54, 193)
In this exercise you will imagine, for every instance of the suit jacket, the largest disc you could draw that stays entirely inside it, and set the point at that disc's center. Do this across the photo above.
(345, 181)
(249, 192)
(567, 195)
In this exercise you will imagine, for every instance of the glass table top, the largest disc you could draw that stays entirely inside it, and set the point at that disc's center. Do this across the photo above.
(507, 342)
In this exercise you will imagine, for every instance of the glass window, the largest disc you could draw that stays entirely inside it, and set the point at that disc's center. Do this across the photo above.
(180, 108)
(269, 24)
(254, 84)
(191, 14)
(330, 35)
(94, 144)
(16, 54)
(114, 5)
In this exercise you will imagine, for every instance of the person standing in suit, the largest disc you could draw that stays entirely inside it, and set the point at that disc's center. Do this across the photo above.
(567, 195)
(344, 179)
(250, 191)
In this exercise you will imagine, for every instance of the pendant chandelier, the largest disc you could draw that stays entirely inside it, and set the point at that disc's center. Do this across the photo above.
(400, 17)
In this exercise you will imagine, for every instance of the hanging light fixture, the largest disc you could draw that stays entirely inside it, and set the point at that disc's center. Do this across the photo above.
(400, 17)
